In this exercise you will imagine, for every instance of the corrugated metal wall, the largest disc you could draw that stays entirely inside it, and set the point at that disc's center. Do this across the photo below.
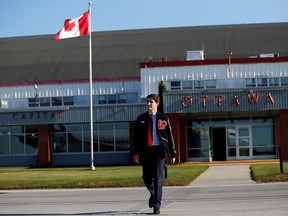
(72, 89)
(54, 115)
(173, 101)
(150, 77)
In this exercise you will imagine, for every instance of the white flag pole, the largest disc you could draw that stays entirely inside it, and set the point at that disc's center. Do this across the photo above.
(91, 90)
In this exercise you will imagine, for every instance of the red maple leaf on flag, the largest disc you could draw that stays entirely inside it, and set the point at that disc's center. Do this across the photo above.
(74, 27)
(68, 26)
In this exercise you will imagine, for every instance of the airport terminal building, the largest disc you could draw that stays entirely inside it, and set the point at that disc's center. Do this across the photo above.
(226, 94)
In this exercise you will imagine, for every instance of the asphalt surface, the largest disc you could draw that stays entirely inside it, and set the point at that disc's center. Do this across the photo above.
(223, 190)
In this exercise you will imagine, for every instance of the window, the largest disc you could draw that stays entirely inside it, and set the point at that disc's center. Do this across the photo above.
(18, 140)
(175, 85)
(284, 81)
(33, 102)
(262, 81)
(122, 98)
(59, 138)
(68, 101)
(75, 100)
(102, 99)
(199, 84)
(56, 101)
(107, 137)
(31, 139)
(122, 137)
(45, 102)
(263, 140)
(82, 100)
(132, 97)
(210, 83)
(187, 84)
(251, 82)
(74, 138)
(112, 99)
(274, 81)
(87, 138)
(4, 140)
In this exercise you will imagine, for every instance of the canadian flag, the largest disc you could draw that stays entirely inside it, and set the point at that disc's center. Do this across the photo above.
(74, 27)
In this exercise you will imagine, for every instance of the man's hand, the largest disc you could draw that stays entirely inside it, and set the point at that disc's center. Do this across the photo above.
(173, 160)
(136, 158)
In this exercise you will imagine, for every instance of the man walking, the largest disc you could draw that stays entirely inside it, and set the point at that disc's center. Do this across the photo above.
(152, 138)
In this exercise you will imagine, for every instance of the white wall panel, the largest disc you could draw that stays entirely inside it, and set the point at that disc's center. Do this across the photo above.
(150, 77)
(74, 89)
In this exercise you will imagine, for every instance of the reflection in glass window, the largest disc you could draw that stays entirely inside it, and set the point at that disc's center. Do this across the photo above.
(199, 84)
(262, 136)
(284, 81)
(187, 84)
(44, 102)
(175, 85)
(262, 81)
(33, 102)
(231, 137)
(251, 82)
(56, 101)
(74, 138)
(243, 132)
(122, 98)
(264, 151)
(68, 101)
(274, 81)
(263, 141)
(83, 100)
(17, 140)
(122, 137)
(112, 99)
(59, 138)
(77, 137)
(132, 98)
(198, 142)
(31, 139)
(102, 99)
(106, 137)
(4, 140)
(210, 83)
(87, 138)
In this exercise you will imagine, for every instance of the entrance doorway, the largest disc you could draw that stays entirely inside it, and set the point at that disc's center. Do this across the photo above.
(243, 142)
(218, 139)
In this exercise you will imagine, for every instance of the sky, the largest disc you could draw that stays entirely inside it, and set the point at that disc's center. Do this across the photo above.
(42, 17)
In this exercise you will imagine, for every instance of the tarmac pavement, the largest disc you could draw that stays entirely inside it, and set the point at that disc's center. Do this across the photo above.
(222, 190)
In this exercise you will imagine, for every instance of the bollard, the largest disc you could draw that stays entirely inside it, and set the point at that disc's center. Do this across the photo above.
(281, 160)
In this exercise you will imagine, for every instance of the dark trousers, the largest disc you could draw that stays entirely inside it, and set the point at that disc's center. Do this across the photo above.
(153, 167)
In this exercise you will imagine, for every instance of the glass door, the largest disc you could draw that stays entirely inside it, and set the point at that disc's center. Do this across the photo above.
(243, 142)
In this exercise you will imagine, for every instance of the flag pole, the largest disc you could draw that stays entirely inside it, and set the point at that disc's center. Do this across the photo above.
(91, 89)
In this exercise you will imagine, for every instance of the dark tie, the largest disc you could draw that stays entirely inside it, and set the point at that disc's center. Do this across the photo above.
(150, 131)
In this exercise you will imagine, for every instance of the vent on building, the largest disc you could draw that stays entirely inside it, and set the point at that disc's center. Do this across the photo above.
(195, 55)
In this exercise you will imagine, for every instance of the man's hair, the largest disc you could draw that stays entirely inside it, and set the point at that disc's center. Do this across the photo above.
(155, 97)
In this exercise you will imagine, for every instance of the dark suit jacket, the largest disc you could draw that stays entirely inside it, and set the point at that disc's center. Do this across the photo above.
(164, 132)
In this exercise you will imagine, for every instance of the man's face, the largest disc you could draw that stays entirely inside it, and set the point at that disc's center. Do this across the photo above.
(151, 105)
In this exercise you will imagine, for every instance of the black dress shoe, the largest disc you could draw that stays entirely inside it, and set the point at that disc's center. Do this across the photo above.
(156, 211)
(151, 202)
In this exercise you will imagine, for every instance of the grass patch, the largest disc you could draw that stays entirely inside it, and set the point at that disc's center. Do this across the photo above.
(80, 177)
(262, 173)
